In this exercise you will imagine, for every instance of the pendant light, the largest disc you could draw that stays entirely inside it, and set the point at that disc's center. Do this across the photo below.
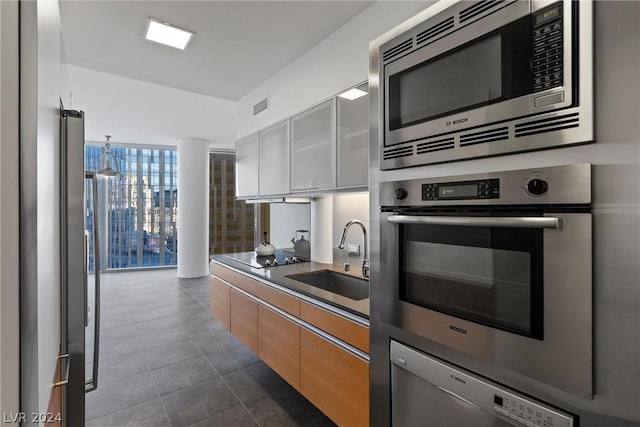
(108, 163)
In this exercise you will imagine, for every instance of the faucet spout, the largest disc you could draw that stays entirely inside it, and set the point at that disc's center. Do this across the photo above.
(343, 237)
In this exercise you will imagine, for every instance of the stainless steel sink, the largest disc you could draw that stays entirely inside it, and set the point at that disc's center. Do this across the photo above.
(348, 286)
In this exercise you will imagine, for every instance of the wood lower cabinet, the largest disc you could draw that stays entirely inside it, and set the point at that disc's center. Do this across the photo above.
(279, 345)
(244, 320)
(278, 327)
(336, 381)
(341, 328)
(220, 297)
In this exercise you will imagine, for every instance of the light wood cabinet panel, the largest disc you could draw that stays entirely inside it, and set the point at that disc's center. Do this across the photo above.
(279, 345)
(279, 299)
(334, 380)
(344, 329)
(244, 320)
(236, 279)
(220, 295)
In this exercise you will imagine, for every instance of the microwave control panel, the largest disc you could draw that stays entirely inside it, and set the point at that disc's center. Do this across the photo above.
(547, 48)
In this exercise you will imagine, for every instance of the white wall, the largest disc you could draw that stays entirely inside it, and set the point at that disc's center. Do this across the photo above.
(48, 222)
(138, 112)
(9, 222)
(336, 63)
(40, 83)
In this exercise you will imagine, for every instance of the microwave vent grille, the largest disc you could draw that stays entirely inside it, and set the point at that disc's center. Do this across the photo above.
(481, 7)
(491, 135)
(397, 50)
(393, 153)
(565, 121)
(434, 31)
(437, 145)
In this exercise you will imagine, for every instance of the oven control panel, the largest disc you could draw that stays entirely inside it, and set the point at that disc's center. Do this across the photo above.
(569, 184)
(462, 190)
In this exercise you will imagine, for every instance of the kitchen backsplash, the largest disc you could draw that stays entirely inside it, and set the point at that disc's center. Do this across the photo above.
(347, 207)
(287, 218)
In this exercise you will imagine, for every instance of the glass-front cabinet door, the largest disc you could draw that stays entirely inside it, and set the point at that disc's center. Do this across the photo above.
(247, 166)
(274, 159)
(312, 148)
(353, 139)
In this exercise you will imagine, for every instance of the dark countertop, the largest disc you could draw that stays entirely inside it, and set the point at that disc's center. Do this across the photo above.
(277, 275)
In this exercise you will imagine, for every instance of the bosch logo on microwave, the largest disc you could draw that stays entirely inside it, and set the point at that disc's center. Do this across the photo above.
(457, 329)
(457, 121)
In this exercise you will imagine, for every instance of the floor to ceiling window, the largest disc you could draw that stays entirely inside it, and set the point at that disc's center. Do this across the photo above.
(137, 212)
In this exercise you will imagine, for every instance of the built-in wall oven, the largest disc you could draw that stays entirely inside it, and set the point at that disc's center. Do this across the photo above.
(496, 265)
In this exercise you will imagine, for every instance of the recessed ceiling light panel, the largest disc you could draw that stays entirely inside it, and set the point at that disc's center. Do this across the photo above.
(161, 32)
(352, 94)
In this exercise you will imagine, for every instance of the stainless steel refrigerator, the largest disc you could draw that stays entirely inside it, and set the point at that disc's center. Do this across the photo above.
(80, 269)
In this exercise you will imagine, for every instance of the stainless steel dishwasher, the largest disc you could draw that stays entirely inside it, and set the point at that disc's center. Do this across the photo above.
(429, 392)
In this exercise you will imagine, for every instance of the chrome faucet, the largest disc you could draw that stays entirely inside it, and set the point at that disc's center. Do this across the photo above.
(365, 261)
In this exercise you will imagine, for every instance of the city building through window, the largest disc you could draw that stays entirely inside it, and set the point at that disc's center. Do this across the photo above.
(137, 212)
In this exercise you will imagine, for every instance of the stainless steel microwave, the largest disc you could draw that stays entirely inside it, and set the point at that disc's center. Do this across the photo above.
(485, 78)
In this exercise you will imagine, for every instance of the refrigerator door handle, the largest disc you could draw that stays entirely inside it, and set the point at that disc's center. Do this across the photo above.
(92, 383)
(63, 358)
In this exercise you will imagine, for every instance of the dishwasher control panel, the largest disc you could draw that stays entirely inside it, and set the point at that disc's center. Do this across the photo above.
(474, 393)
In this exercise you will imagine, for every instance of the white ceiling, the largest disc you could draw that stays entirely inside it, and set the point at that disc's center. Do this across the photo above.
(237, 46)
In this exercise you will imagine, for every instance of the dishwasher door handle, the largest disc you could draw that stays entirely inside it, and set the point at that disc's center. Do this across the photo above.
(475, 221)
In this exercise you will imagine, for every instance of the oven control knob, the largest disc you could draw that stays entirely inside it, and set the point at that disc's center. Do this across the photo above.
(537, 187)
(401, 194)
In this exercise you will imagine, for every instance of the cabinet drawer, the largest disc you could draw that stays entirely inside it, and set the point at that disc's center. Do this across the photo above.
(279, 345)
(220, 295)
(334, 380)
(236, 279)
(344, 329)
(279, 299)
(244, 320)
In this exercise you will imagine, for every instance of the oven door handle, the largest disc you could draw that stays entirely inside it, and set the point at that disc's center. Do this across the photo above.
(472, 221)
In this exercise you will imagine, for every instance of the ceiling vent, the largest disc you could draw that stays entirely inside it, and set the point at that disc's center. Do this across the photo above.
(260, 106)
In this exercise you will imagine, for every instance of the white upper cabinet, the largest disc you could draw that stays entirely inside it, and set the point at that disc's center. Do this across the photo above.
(274, 159)
(247, 166)
(353, 140)
(313, 148)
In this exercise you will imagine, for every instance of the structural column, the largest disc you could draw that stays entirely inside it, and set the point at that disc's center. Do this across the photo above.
(193, 207)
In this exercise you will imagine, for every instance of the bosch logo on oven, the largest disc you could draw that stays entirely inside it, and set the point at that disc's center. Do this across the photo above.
(458, 330)
(457, 122)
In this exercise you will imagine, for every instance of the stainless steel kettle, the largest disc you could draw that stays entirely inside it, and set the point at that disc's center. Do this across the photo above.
(300, 243)
(265, 248)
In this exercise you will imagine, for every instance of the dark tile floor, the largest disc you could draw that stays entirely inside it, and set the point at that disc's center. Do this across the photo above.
(165, 361)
